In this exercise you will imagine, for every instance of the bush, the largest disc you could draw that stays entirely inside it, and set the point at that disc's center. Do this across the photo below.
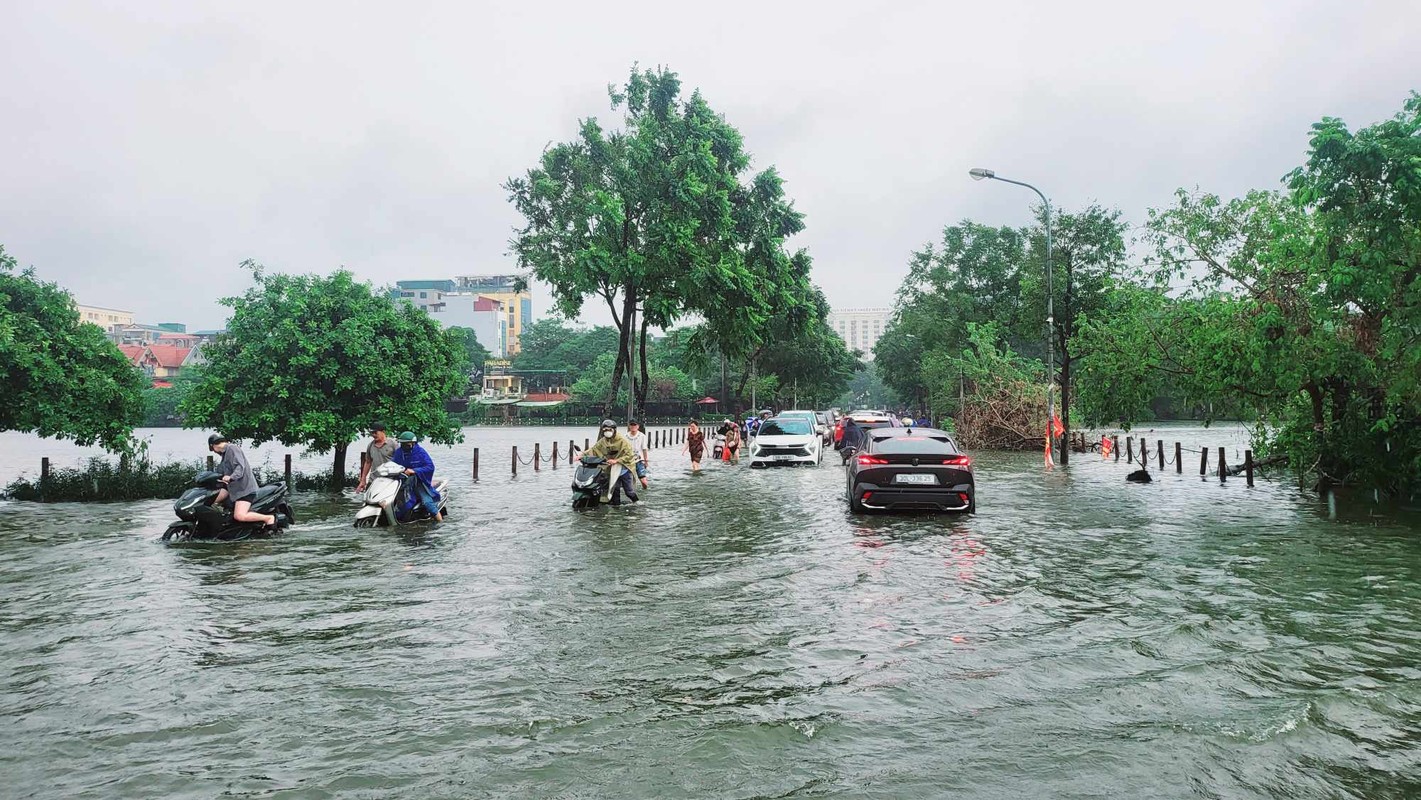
(101, 479)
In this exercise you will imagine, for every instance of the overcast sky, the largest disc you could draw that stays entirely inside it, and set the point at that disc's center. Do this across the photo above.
(147, 148)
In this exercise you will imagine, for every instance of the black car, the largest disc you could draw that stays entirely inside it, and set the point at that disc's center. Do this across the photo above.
(902, 469)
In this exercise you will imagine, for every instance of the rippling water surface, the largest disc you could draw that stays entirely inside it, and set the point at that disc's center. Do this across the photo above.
(737, 635)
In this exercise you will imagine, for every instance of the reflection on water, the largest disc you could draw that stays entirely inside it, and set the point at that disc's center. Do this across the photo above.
(740, 634)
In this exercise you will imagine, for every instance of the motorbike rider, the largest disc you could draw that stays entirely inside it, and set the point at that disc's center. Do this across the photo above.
(616, 449)
(419, 466)
(240, 483)
(380, 450)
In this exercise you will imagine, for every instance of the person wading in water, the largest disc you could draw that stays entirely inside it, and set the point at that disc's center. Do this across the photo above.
(695, 445)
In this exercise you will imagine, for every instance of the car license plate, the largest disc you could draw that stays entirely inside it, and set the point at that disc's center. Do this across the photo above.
(919, 479)
(784, 458)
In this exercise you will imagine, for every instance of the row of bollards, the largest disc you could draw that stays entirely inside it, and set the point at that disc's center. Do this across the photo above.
(1144, 458)
(656, 439)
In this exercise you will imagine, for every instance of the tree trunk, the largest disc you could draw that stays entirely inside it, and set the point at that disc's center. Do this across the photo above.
(1065, 453)
(645, 386)
(337, 467)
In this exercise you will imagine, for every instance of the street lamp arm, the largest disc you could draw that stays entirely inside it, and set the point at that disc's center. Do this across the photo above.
(1046, 202)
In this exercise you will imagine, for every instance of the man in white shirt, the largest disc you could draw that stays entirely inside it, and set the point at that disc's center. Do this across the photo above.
(641, 445)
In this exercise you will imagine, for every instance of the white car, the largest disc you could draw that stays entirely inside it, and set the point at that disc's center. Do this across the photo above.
(785, 441)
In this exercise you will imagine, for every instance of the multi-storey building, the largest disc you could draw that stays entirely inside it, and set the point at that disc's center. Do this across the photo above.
(860, 327)
(452, 301)
(106, 318)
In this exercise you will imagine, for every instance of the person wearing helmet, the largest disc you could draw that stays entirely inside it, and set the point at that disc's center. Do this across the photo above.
(420, 467)
(240, 483)
(617, 450)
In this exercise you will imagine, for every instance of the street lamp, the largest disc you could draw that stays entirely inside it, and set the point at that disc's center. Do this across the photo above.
(979, 174)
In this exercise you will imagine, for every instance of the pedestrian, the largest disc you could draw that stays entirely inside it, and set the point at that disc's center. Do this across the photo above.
(641, 446)
(237, 479)
(380, 450)
(732, 444)
(695, 445)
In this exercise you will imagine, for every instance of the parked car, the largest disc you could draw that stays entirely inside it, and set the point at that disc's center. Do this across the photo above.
(866, 421)
(826, 427)
(785, 441)
(900, 469)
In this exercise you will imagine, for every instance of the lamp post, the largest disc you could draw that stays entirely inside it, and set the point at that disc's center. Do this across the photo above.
(981, 174)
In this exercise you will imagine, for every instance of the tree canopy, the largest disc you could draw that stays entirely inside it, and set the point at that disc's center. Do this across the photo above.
(315, 360)
(63, 378)
(659, 220)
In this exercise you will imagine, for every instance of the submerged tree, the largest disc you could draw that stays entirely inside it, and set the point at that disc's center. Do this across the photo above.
(314, 361)
(63, 378)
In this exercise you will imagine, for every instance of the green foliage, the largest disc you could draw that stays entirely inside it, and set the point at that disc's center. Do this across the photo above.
(866, 389)
(161, 405)
(313, 361)
(1306, 305)
(102, 480)
(62, 377)
(551, 344)
(995, 396)
(475, 354)
(656, 221)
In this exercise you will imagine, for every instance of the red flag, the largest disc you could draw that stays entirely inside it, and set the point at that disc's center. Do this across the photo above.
(1106, 446)
(1056, 425)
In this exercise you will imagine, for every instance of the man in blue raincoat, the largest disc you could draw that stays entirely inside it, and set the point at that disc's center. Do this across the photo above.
(420, 467)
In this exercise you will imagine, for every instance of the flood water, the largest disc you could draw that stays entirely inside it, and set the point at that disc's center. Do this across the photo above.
(737, 635)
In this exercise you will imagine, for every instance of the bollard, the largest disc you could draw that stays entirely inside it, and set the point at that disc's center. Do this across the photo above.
(1160, 442)
(1178, 459)
(537, 455)
(1144, 452)
(1223, 469)
(555, 455)
(1203, 461)
(515, 460)
(476, 465)
(571, 450)
(1248, 466)
(1130, 449)
(341, 478)
(209, 463)
(1115, 447)
(43, 477)
(586, 444)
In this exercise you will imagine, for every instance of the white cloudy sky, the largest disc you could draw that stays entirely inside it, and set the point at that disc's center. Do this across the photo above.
(147, 148)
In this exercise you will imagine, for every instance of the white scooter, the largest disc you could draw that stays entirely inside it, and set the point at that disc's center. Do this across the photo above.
(386, 494)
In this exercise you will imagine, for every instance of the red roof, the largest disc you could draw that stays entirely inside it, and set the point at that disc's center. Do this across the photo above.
(132, 351)
(547, 397)
(167, 355)
(160, 384)
(486, 304)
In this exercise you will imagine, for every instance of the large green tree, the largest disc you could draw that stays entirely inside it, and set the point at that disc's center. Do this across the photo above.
(655, 221)
(313, 360)
(63, 378)
(1305, 304)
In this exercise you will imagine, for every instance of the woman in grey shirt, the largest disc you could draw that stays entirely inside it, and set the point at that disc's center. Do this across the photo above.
(237, 474)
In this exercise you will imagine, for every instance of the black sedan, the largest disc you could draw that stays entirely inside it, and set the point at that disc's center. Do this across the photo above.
(902, 469)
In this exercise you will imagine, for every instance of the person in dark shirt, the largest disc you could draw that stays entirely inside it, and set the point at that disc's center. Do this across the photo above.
(241, 484)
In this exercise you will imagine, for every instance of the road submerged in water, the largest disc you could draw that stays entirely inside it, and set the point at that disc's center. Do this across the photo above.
(737, 635)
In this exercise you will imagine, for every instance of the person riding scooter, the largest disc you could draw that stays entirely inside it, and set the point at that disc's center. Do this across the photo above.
(420, 467)
(621, 459)
(240, 484)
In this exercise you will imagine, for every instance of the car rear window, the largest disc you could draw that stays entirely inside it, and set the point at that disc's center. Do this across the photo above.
(870, 424)
(932, 445)
(784, 427)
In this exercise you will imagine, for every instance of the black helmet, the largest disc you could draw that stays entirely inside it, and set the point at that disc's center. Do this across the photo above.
(608, 423)
(214, 440)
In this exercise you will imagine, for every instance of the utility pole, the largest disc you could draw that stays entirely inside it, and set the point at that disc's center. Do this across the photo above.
(631, 365)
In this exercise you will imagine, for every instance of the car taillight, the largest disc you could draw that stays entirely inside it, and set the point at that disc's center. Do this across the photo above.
(958, 461)
(871, 460)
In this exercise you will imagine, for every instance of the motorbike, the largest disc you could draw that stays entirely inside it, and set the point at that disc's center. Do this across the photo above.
(201, 520)
(390, 501)
(590, 480)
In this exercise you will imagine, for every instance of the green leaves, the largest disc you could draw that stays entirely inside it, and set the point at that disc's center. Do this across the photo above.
(62, 377)
(314, 361)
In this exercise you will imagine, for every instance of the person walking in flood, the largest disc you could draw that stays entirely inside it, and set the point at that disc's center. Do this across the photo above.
(241, 485)
(641, 446)
(419, 466)
(732, 443)
(380, 450)
(695, 445)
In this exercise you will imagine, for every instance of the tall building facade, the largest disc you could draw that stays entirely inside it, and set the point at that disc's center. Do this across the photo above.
(860, 327)
(451, 301)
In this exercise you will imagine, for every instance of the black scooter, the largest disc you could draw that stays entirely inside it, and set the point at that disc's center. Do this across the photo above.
(589, 482)
(200, 520)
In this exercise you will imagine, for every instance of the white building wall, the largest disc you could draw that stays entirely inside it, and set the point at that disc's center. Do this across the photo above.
(860, 328)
